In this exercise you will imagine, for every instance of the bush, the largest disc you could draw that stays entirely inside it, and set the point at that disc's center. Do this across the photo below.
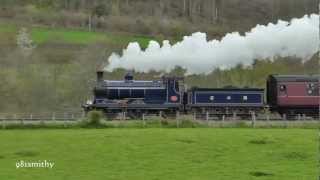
(94, 119)
(187, 123)
(241, 124)
(164, 122)
(142, 27)
(177, 31)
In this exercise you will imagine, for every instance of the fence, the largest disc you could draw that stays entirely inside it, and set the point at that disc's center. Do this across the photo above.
(208, 119)
(58, 116)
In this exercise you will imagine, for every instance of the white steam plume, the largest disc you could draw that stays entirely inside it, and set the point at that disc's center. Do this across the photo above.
(299, 38)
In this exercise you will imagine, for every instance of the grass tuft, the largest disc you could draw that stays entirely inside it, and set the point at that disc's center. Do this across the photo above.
(186, 123)
(187, 141)
(260, 174)
(26, 153)
(260, 141)
(296, 156)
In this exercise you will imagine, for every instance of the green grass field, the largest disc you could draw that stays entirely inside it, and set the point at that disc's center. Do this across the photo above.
(41, 35)
(162, 154)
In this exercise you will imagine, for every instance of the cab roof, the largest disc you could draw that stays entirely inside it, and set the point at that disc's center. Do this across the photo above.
(295, 78)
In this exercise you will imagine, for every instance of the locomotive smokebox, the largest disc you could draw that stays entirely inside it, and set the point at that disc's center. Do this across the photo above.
(99, 76)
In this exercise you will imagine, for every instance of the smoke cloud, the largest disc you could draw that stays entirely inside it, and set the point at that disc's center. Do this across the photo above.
(298, 38)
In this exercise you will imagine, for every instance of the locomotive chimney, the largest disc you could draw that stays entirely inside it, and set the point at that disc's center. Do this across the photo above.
(99, 76)
(128, 76)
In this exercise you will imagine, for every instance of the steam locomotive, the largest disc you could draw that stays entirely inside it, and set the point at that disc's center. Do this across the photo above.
(285, 95)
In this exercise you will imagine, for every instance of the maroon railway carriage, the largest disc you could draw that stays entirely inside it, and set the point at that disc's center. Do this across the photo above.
(294, 94)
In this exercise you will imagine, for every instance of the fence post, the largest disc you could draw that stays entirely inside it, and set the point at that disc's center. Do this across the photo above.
(284, 118)
(177, 118)
(304, 117)
(53, 116)
(177, 122)
(21, 121)
(41, 121)
(234, 116)
(268, 119)
(177, 114)
(194, 116)
(160, 118)
(15, 118)
(65, 122)
(123, 116)
(253, 119)
(207, 117)
(2, 123)
(222, 120)
(143, 120)
(31, 117)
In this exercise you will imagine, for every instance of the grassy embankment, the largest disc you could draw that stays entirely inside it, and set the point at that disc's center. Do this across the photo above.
(201, 153)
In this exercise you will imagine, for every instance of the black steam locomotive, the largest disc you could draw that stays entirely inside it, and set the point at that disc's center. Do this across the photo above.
(137, 97)
(285, 95)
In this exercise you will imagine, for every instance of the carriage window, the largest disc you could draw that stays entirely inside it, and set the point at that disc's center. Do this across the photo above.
(311, 86)
(282, 88)
(245, 98)
(312, 89)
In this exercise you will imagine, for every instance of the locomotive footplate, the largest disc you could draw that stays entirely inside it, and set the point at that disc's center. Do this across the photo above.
(137, 106)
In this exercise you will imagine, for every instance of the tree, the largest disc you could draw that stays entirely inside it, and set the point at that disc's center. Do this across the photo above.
(24, 42)
(216, 11)
(100, 10)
